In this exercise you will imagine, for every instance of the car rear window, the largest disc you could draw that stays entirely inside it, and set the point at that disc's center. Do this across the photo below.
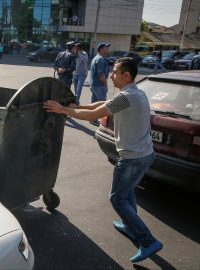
(174, 98)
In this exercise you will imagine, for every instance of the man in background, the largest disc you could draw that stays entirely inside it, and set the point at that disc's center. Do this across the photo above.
(159, 61)
(99, 72)
(80, 72)
(65, 64)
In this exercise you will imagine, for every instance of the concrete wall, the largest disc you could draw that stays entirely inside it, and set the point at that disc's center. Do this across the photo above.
(114, 18)
(193, 17)
(118, 42)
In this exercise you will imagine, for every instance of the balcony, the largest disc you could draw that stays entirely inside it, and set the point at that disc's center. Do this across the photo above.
(67, 24)
(72, 21)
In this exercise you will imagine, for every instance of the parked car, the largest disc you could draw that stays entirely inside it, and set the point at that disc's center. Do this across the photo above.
(33, 47)
(145, 61)
(168, 58)
(42, 54)
(195, 63)
(114, 55)
(184, 63)
(15, 251)
(174, 99)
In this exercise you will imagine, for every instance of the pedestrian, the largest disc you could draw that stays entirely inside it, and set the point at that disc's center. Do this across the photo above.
(99, 72)
(131, 113)
(80, 72)
(159, 61)
(65, 64)
(74, 19)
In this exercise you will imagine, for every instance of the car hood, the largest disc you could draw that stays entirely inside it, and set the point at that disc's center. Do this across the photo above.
(183, 61)
(8, 222)
(165, 58)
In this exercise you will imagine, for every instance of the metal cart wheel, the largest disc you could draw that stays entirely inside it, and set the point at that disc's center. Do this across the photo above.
(51, 199)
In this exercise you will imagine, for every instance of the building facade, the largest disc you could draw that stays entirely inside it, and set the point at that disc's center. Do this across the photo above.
(192, 24)
(59, 21)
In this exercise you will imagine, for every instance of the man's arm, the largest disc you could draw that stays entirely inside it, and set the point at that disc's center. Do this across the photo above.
(102, 78)
(57, 62)
(83, 56)
(72, 65)
(100, 66)
(91, 106)
(82, 114)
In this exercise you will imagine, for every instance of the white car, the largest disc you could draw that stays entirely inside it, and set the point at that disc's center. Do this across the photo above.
(15, 251)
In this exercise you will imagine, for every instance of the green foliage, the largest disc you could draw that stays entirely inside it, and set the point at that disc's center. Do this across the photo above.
(144, 25)
(25, 20)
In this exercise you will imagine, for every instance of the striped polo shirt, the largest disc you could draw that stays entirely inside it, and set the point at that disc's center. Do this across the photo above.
(131, 113)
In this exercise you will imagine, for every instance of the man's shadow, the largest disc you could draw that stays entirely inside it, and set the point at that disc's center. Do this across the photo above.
(174, 206)
(58, 244)
(70, 122)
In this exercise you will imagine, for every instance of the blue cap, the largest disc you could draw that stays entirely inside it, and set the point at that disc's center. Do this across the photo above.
(70, 45)
(102, 45)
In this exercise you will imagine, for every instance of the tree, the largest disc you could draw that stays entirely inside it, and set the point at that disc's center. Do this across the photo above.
(144, 25)
(25, 20)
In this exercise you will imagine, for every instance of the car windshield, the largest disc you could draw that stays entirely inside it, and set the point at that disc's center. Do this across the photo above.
(148, 57)
(168, 54)
(173, 99)
(188, 56)
(40, 50)
(141, 48)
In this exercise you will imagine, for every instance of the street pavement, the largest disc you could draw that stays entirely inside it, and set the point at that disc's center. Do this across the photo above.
(79, 235)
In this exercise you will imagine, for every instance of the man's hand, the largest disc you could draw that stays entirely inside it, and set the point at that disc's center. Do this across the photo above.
(61, 70)
(73, 105)
(53, 106)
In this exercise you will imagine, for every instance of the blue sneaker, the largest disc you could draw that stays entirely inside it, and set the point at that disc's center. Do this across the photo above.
(119, 226)
(144, 253)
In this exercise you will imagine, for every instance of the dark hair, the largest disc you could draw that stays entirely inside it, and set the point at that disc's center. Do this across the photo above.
(128, 64)
(78, 45)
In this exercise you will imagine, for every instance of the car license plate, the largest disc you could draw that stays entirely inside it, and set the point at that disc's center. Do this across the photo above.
(157, 136)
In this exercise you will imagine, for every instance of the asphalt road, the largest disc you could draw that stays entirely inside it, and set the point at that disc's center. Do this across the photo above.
(79, 234)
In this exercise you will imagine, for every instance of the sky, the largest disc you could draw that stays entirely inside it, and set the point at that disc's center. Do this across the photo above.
(163, 12)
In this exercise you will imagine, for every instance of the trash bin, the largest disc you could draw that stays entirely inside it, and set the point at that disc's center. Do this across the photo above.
(31, 142)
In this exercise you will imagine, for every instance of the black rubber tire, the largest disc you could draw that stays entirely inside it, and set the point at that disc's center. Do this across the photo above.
(51, 200)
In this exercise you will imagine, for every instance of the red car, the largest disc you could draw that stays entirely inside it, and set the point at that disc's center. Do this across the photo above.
(174, 99)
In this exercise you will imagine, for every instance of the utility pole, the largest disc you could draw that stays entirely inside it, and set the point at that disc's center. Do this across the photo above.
(94, 39)
(185, 23)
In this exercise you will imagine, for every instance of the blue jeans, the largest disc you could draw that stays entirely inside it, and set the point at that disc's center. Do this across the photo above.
(99, 93)
(127, 175)
(78, 85)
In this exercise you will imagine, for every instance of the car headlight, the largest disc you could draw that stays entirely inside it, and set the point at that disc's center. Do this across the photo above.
(23, 247)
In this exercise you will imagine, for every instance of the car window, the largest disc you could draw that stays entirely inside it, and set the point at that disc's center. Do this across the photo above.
(168, 54)
(175, 98)
(188, 56)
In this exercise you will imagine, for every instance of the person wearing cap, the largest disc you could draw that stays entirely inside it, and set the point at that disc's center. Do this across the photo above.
(65, 64)
(80, 72)
(99, 71)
